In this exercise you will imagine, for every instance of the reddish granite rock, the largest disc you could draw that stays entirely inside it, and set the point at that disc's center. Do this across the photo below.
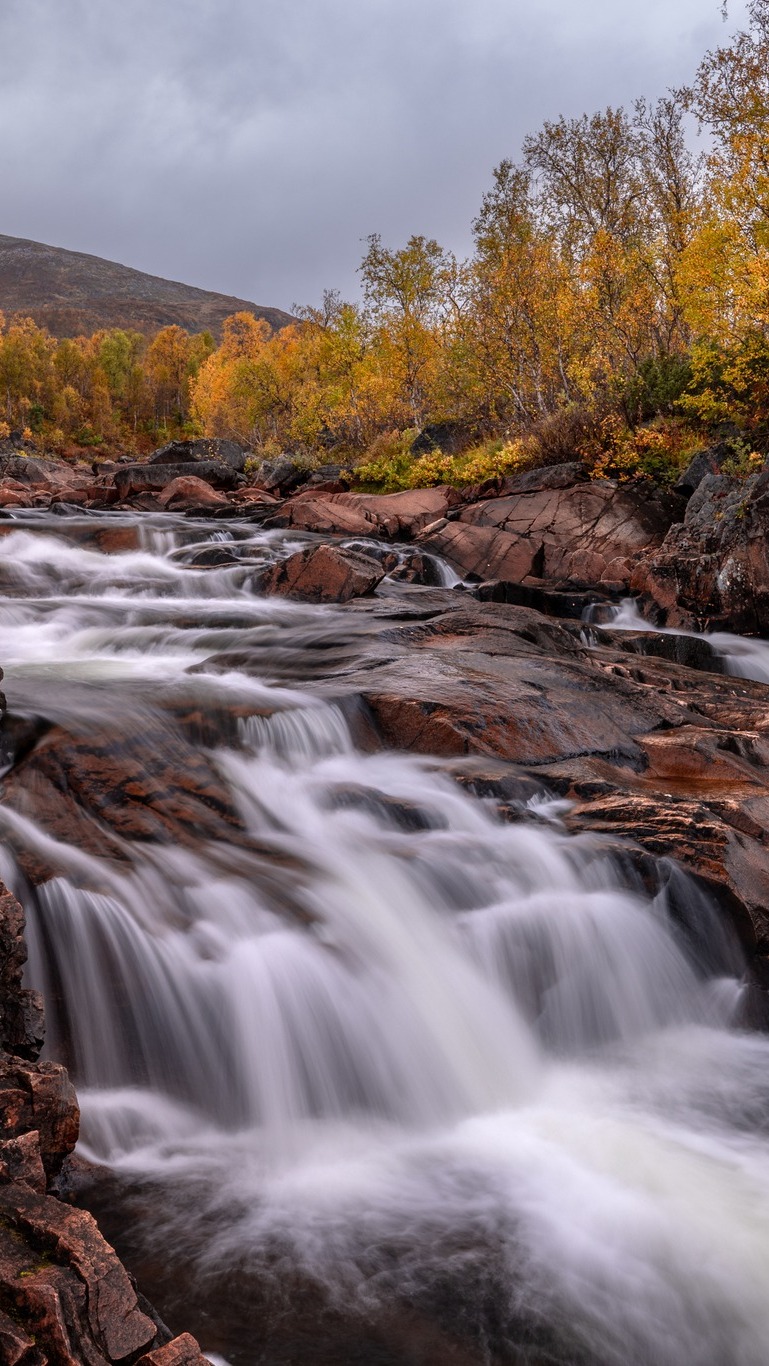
(38, 1098)
(572, 534)
(400, 516)
(188, 491)
(64, 1283)
(322, 574)
(319, 514)
(182, 1351)
(11, 498)
(88, 789)
(395, 516)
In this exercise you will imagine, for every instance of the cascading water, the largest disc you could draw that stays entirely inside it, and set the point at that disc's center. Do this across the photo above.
(743, 657)
(376, 1077)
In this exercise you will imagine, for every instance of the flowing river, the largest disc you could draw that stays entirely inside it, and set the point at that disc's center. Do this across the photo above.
(367, 1075)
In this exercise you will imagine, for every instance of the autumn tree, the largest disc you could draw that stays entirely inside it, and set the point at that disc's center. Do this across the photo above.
(409, 295)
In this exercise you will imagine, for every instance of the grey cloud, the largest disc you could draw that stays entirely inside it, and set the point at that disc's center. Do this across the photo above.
(250, 145)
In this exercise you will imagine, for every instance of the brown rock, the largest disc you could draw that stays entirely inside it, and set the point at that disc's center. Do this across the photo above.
(549, 529)
(10, 498)
(65, 1284)
(400, 515)
(38, 1098)
(17, 1348)
(190, 492)
(130, 783)
(394, 516)
(317, 513)
(182, 1351)
(322, 573)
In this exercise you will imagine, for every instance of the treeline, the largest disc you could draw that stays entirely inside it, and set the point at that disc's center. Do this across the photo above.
(616, 303)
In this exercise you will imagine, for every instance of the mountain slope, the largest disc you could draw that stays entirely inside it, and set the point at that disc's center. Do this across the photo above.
(73, 294)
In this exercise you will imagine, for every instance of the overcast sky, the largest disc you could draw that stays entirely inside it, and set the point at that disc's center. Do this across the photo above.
(250, 146)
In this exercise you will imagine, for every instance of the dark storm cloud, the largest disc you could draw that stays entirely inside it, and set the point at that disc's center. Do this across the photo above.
(250, 145)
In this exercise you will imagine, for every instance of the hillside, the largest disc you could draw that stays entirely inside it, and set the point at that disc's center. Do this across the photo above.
(72, 294)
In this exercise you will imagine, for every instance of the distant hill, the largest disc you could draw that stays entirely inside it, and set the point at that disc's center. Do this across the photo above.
(73, 294)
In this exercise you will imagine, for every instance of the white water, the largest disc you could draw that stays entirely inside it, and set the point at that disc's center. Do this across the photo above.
(382, 1044)
(743, 657)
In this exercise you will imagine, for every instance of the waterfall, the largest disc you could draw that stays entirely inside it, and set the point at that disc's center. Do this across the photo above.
(374, 1049)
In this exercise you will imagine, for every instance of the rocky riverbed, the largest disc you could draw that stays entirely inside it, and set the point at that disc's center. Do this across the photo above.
(163, 625)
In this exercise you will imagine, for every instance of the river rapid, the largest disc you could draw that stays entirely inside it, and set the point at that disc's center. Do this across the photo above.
(382, 1079)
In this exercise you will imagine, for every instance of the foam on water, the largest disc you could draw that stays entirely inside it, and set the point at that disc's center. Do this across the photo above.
(743, 657)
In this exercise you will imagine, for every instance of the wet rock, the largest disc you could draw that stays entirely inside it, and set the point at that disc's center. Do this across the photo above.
(214, 557)
(322, 574)
(554, 602)
(418, 569)
(21, 1009)
(39, 1098)
(94, 790)
(190, 492)
(692, 651)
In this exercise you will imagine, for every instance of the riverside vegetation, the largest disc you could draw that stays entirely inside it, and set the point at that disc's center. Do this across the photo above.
(615, 308)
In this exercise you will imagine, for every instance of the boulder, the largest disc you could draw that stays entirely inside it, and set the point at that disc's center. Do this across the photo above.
(280, 476)
(202, 449)
(712, 569)
(188, 492)
(315, 513)
(704, 462)
(322, 573)
(693, 651)
(130, 480)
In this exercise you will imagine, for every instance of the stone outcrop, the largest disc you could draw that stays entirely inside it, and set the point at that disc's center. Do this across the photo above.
(546, 527)
(65, 1298)
(712, 569)
(322, 573)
